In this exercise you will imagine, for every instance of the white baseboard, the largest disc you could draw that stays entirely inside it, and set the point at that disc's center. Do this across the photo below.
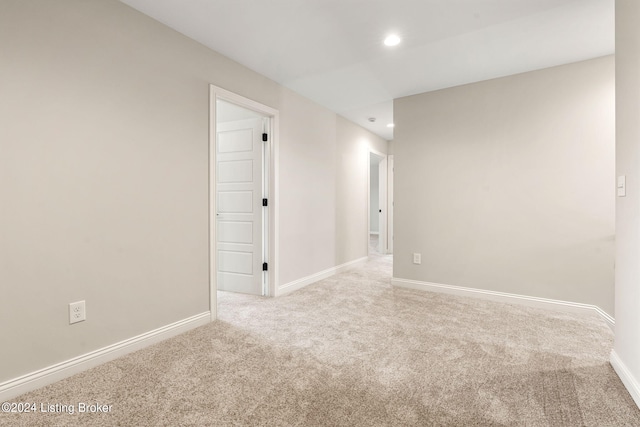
(305, 281)
(609, 320)
(627, 378)
(17, 386)
(546, 303)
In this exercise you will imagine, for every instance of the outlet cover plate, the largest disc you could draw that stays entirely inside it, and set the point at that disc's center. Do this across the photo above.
(77, 312)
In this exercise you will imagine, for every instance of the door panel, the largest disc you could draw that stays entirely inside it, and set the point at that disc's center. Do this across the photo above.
(235, 141)
(241, 283)
(235, 201)
(235, 262)
(239, 206)
(235, 232)
(235, 171)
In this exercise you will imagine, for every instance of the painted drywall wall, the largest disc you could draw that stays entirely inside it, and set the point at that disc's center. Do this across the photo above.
(506, 185)
(104, 177)
(627, 299)
(353, 147)
(374, 182)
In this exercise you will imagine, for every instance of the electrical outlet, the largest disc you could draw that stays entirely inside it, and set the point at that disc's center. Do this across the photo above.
(77, 312)
(417, 258)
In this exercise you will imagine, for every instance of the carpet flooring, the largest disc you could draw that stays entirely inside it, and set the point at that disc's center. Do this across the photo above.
(352, 350)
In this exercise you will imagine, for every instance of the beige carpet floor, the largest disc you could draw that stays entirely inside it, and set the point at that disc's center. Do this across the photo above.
(352, 350)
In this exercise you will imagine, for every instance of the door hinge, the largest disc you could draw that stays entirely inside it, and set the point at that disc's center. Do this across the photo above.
(265, 266)
(265, 137)
(265, 202)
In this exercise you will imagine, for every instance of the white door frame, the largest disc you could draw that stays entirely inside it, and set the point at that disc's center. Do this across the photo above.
(383, 215)
(271, 172)
(390, 207)
(383, 224)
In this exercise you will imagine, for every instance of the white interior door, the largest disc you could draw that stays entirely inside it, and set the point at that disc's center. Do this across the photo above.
(239, 206)
(390, 177)
(382, 203)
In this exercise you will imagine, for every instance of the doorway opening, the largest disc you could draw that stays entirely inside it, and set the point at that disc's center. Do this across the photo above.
(243, 213)
(380, 214)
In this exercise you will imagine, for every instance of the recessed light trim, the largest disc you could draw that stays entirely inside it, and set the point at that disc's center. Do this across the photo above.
(392, 40)
(391, 125)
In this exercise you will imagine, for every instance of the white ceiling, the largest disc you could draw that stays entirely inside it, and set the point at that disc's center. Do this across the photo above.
(331, 51)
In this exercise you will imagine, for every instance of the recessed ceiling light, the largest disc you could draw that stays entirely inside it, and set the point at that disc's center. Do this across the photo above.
(390, 125)
(392, 40)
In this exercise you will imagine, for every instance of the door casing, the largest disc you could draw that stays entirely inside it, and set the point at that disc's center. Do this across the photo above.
(390, 180)
(271, 186)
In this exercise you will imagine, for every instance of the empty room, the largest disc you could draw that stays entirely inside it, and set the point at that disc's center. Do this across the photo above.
(320, 213)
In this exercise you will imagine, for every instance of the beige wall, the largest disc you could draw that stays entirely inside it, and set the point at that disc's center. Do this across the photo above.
(627, 345)
(104, 177)
(508, 185)
(307, 192)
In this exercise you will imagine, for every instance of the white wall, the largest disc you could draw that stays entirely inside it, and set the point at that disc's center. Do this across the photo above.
(626, 356)
(374, 198)
(507, 185)
(104, 177)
